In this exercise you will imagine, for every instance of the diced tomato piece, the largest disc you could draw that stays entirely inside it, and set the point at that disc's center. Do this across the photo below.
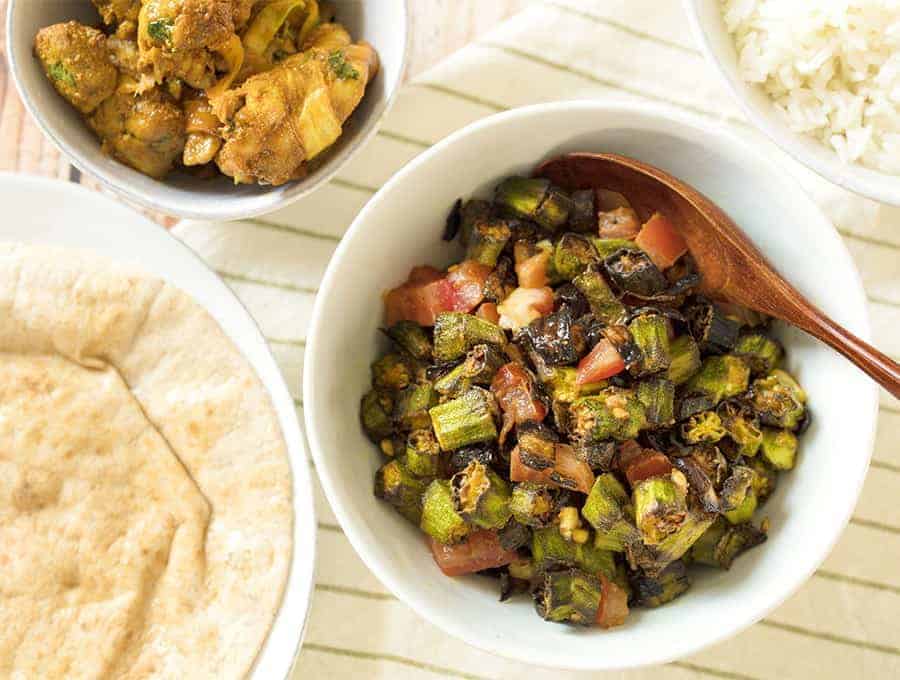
(601, 363)
(428, 292)
(513, 388)
(488, 312)
(467, 279)
(480, 550)
(613, 609)
(618, 223)
(532, 273)
(424, 274)
(523, 306)
(647, 464)
(660, 239)
(567, 465)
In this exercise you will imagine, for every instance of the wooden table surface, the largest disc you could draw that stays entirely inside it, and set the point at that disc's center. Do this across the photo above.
(439, 27)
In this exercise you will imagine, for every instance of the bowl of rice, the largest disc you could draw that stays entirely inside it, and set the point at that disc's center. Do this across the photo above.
(820, 77)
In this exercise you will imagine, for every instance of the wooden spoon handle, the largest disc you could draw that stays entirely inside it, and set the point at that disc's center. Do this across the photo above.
(880, 367)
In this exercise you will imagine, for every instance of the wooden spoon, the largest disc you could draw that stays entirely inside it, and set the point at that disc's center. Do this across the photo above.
(733, 269)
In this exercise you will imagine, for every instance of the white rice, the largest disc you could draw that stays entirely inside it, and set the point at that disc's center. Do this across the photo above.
(832, 67)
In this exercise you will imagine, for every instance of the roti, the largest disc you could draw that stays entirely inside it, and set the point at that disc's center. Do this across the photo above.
(145, 488)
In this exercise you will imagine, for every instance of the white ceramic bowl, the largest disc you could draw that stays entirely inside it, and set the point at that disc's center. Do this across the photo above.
(384, 24)
(40, 211)
(401, 227)
(709, 28)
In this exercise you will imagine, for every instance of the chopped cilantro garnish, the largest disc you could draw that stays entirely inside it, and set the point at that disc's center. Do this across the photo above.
(161, 30)
(338, 63)
(60, 73)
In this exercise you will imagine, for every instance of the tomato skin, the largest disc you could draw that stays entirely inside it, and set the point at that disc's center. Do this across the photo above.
(602, 362)
(661, 240)
(427, 292)
(567, 465)
(613, 610)
(532, 273)
(523, 306)
(646, 465)
(480, 550)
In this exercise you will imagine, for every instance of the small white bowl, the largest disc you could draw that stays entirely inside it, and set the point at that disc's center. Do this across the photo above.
(401, 227)
(709, 28)
(384, 24)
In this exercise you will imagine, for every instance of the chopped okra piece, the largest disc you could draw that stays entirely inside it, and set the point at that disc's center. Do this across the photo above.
(607, 246)
(761, 352)
(607, 509)
(412, 405)
(651, 334)
(660, 506)
(778, 400)
(766, 478)
(422, 455)
(569, 596)
(460, 458)
(654, 558)
(466, 420)
(723, 543)
(514, 536)
(522, 569)
(550, 550)
(684, 359)
(572, 255)
(375, 413)
(481, 497)
(658, 397)
(537, 446)
(456, 333)
(613, 413)
(713, 331)
(440, 520)
(779, 448)
(605, 306)
(598, 455)
(479, 367)
(742, 430)
(486, 240)
(402, 489)
(634, 272)
(412, 339)
(532, 504)
(392, 372)
(737, 487)
(471, 213)
(720, 377)
(743, 512)
(534, 199)
(556, 338)
(583, 213)
(703, 427)
(655, 591)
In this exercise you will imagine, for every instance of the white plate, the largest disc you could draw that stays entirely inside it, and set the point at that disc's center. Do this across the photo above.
(40, 211)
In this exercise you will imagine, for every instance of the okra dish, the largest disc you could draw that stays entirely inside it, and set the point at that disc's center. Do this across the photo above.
(564, 411)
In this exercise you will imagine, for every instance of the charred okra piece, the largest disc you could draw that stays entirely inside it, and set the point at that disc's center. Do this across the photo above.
(466, 420)
(604, 304)
(651, 334)
(399, 487)
(736, 488)
(479, 367)
(472, 213)
(720, 377)
(742, 430)
(412, 405)
(608, 510)
(723, 543)
(598, 455)
(480, 496)
(412, 339)
(658, 397)
(486, 240)
(765, 479)
(537, 446)
(634, 272)
(532, 504)
(655, 591)
(778, 400)
(583, 213)
(654, 558)
(572, 255)
(684, 359)
(375, 412)
(613, 413)
(392, 372)
(761, 352)
(440, 520)
(534, 199)
(569, 596)
(514, 536)
(555, 338)
(712, 330)
(550, 550)
(607, 246)
(703, 427)
(456, 333)
(779, 448)
(422, 455)
(660, 506)
(743, 512)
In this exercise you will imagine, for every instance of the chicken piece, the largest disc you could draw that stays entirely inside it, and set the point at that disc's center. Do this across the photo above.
(77, 61)
(120, 14)
(145, 131)
(278, 120)
(202, 128)
(182, 38)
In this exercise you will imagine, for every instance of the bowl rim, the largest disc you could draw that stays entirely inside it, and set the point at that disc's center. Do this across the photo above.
(446, 621)
(851, 176)
(230, 208)
(302, 565)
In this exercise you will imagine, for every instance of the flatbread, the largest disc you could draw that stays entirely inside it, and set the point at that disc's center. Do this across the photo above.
(145, 489)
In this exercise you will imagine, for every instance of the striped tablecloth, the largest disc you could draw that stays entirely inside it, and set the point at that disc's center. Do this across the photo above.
(844, 622)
